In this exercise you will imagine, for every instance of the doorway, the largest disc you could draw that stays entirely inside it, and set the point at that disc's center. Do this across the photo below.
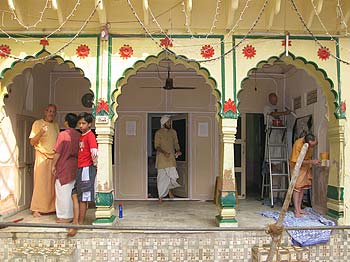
(180, 124)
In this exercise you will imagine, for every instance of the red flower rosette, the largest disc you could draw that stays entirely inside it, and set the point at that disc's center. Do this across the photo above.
(83, 51)
(343, 106)
(126, 51)
(249, 51)
(44, 42)
(166, 42)
(323, 53)
(102, 105)
(207, 51)
(230, 105)
(284, 43)
(5, 50)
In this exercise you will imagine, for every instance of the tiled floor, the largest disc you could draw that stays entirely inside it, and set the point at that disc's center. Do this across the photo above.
(173, 213)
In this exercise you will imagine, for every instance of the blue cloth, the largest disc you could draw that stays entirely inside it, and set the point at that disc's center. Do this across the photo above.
(310, 219)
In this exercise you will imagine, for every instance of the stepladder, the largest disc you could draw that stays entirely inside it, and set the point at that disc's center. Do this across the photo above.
(276, 175)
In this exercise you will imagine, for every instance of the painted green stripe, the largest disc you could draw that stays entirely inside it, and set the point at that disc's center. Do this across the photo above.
(337, 52)
(335, 214)
(223, 72)
(234, 72)
(97, 70)
(53, 36)
(109, 69)
(282, 37)
(162, 36)
(336, 193)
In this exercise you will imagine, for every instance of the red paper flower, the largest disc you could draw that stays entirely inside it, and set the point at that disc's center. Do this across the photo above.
(249, 51)
(323, 53)
(343, 106)
(207, 51)
(4, 51)
(44, 42)
(126, 51)
(166, 42)
(230, 105)
(284, 43)
(83, 51)
(102, 105)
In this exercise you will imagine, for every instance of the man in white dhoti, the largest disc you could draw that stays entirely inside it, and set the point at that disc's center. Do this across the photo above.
(167, 145)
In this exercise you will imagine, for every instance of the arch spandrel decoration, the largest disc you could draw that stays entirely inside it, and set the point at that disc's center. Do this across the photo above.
(320, 76)
(17, 67)
(155, 60)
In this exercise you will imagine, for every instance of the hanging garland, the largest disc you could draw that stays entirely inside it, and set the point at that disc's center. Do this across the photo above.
(4, 51)
(249, 51)
(126, 51)
(83, 51)
(207, 51)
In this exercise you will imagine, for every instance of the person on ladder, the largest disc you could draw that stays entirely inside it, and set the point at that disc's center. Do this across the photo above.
(273, 119)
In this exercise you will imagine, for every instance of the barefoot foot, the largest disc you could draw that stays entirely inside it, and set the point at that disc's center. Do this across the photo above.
(36, 214)
(72, 232)
(160, 200)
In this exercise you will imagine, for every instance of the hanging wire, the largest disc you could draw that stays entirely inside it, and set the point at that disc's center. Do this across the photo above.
(312, 34)
(62, 47)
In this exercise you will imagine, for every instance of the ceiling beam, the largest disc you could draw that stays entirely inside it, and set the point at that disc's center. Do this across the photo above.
(273, 10)
(318, 4)
(345, 7)
(101, 11)
(145, 8)
(189, 6)
(231, 10)
(56, 4)
(15, 7)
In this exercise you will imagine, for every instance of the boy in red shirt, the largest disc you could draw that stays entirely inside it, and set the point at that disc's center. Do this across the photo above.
(84, 188)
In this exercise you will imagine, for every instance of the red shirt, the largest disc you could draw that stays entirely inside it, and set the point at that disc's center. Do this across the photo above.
(67, 145)
(87, 141)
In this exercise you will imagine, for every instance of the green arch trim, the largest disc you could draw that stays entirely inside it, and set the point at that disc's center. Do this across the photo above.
(176, 59)
(302, 63)
(30, 64)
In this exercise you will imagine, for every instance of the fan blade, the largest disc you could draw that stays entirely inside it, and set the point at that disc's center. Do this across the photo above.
(183, 87)
(150, 87)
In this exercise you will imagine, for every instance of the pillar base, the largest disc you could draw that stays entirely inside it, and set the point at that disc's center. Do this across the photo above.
(226, 222)
(105, 221)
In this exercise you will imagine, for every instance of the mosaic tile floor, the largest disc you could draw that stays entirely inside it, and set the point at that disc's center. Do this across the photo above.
(168, 214)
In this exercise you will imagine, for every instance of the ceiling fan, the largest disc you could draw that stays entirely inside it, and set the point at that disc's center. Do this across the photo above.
(169, 84)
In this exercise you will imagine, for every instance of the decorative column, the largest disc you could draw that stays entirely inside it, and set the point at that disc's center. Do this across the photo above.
(335, 189)
(104, 190)
(227, 186)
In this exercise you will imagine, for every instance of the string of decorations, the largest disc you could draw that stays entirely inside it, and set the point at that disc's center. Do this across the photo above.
(36, 23)
(62, 47)
(207, 60)
(340, 10)
(154, 19)
(50, 34)
(312, 34)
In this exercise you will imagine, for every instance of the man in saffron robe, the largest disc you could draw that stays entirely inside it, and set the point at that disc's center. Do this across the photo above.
(167, 145)
(43, 137)
(304, 180)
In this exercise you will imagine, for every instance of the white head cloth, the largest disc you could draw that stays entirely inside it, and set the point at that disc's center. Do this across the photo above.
(164, 119)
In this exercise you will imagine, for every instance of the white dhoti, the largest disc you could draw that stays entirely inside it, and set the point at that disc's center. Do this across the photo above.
(166, 180)
(64, 203)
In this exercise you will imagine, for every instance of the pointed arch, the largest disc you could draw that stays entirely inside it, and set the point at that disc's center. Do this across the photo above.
(121, 82)
(17, 67)
(318, 74)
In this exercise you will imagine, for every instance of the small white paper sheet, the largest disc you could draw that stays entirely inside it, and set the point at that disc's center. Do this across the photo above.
(203, 129)
(131, 128)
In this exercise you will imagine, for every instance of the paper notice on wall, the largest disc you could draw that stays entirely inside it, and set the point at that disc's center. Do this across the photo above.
(130, 128)
(203, 129)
